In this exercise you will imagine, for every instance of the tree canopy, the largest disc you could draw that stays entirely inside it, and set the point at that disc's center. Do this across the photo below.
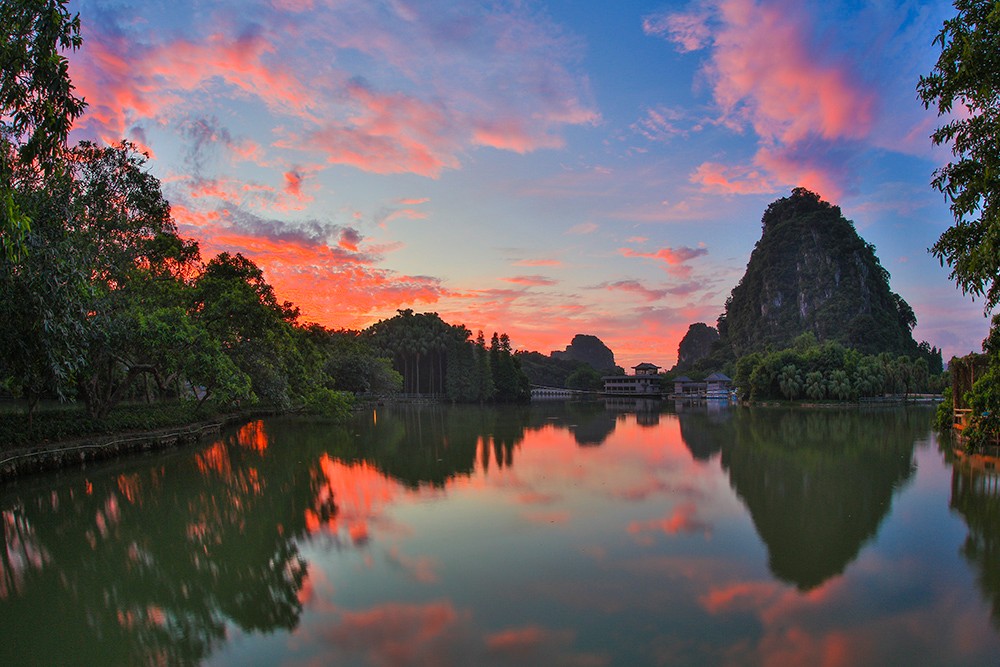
(964, 86)
(37, 104)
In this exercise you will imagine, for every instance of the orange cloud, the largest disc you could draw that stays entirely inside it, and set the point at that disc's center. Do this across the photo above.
(125, 82)
(335, 286)
(525, 640)
(742, 596)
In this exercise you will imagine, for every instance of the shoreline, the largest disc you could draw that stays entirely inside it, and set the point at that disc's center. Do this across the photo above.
(45, 457)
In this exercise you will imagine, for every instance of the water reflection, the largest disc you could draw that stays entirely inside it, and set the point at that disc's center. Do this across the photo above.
(577, 533)
(817, 484)
(140, 564)
(975, 495)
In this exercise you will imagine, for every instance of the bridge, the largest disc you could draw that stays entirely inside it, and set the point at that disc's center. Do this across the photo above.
(538, 391)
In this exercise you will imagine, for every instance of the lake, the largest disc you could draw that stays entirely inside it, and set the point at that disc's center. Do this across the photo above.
(634, 533)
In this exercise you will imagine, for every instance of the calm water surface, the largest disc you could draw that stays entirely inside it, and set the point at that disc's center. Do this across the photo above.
(556, 534)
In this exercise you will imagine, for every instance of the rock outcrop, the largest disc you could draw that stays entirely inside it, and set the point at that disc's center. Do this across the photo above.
(811, 272)
(589, 349)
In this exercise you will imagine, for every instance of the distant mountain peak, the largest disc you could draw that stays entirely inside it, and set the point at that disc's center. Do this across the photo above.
(589, 349)
(811, 272)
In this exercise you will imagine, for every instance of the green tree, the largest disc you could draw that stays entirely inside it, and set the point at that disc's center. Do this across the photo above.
(790, 382)
(37, 105)
(237, 306)
(44, 301)
(512, 385)
(868, 377)
(965, 86)
(839, 385)
(585, 378)
(815, 385)
(487, 388)
(984, 398)
(122, 228)
(352, 364)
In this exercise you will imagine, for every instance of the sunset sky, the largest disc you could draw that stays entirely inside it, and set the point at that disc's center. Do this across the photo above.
(540, 168)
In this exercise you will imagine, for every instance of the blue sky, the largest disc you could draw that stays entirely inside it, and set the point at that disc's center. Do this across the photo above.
(539, 168)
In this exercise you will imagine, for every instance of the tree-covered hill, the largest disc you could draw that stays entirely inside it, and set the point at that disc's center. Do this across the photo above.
(588, 349)
(696, 345)
(811, 272)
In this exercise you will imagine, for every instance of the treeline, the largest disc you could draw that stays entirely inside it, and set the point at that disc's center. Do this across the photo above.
(830, 371)
(443, 359)
(549, 371)
(106, 303)
(101, 301)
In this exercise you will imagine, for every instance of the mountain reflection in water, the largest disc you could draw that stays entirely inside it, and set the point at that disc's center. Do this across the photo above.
(557, 533)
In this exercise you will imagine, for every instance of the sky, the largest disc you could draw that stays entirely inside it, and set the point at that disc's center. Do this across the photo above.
(540, 168)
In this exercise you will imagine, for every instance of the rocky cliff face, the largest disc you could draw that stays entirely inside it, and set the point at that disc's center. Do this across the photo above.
(696, 345)
(589, 349)
(810, 271)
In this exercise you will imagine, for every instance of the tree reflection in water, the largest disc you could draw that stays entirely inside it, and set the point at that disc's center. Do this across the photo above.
(817, 483)
(975, 495)
(139, 565)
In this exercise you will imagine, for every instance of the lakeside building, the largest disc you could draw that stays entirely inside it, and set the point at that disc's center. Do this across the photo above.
(644, 382)
(716, 385)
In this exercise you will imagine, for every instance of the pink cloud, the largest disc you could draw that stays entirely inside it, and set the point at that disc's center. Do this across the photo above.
(769, 71)
(675, 258)
(689, 31)
(660, 124)
(637, 288)
(513, 134)
(387, 133)
(681, 520)
(125, 82)
(766, 70)
(773, 169)
(293, 184)
(723, 179)
(400, 214)
(398, 633)
(531, 281)
(823, 174)
(503, 81)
